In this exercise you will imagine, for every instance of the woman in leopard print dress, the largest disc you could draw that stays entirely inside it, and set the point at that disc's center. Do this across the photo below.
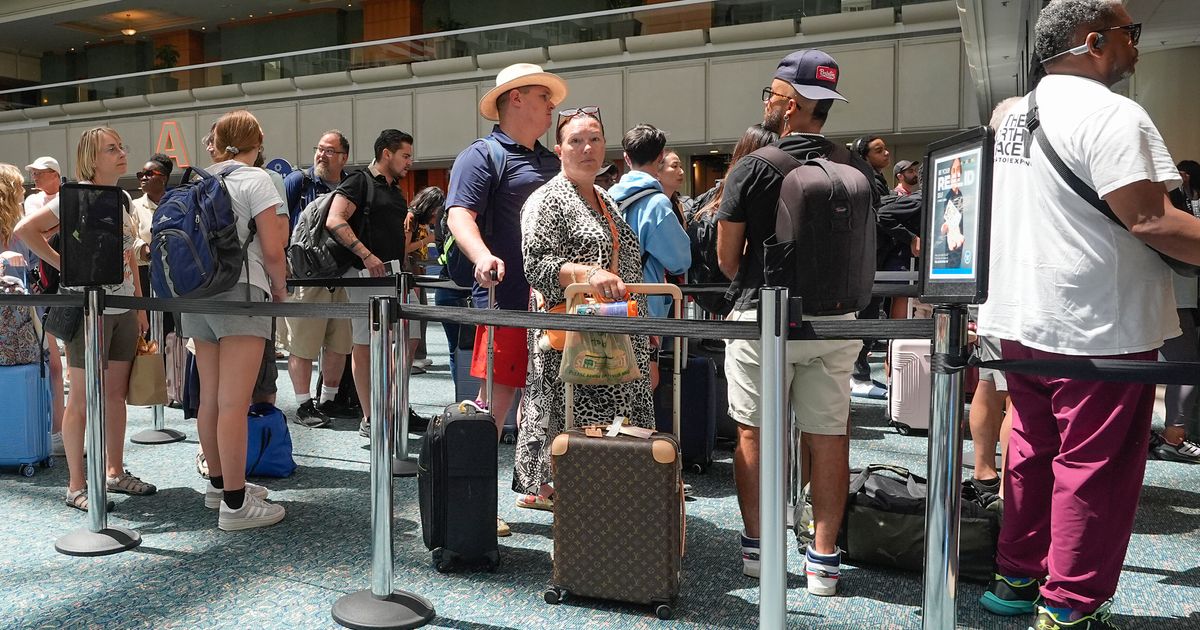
(567, 229)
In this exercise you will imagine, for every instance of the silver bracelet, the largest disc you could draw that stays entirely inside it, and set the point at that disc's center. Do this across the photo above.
(590, 273)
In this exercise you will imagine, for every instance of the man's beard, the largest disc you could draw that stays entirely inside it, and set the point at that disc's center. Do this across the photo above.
(773, 120)
(321, 171)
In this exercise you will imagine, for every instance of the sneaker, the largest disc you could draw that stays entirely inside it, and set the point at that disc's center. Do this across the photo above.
(1100, 619)
(868, 389)
(254, 512)
(416, 369)
(750, 557)
(335, 409)
(423, 363)
(1186, 451)
(364, 428)
(416, 422)
(126, 483)
(201, 464)
(1010, 596)
(213, 495)
(502, 528)
(822, 572)
(56, 445)
(307, 415)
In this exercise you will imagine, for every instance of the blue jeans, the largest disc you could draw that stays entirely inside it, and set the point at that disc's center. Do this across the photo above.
(451, 297)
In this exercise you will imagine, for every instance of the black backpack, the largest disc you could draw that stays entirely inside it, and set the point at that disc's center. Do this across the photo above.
(702, 232)
(823, 249)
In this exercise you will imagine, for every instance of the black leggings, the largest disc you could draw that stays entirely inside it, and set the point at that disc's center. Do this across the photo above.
(1181, 400)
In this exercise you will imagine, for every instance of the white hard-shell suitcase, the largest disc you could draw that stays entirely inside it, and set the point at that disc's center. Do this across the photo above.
(909, 390)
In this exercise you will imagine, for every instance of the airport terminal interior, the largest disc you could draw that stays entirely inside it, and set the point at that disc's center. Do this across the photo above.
(160, 73)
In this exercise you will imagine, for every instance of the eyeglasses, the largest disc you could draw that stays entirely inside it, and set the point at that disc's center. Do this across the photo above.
(37, 173)
(1133, 30)
(150, 173)
(767, 94)
(325, 151)
(116, 148)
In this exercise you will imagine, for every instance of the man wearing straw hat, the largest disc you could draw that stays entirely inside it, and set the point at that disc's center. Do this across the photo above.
(522, 103)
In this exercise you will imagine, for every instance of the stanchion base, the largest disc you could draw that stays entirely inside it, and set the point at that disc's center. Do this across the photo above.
(85, 542)
(404, 468)
(364, 611)
(157, 436)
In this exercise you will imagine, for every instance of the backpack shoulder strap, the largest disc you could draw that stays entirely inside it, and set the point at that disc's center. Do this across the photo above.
(778, 159)
(498, 159)
(624, 206)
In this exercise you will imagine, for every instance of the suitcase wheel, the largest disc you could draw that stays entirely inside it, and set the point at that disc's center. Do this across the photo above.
(27, 470)
(696, 468)
(553, 595)
(902, 429)
(664, 611)
(49, 463)
(441, 563)
(509, 438)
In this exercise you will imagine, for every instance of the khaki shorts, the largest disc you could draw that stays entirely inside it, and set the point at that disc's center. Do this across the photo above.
(120, 340)
(817, 374)
(306, 336)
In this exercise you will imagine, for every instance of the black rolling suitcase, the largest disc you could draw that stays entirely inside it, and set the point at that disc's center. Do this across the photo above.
(698, 412)
(457, 484)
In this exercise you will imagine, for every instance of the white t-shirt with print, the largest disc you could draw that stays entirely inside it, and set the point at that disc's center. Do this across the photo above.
(1064, 278)
(128, 240)
(251, 191)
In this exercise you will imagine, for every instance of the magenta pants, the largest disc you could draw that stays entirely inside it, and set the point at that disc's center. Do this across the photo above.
(1072, 481)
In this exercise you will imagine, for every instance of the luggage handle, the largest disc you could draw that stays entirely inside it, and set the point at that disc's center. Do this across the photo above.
(860, 480)
(645, 288)
(491, 349)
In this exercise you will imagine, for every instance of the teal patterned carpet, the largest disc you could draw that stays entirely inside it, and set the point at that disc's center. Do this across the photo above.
(188, 574)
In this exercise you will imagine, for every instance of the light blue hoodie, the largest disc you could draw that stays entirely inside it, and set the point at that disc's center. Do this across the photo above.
(658, 230)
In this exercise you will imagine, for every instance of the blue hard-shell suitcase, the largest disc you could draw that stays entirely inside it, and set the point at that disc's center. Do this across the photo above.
(25, 417)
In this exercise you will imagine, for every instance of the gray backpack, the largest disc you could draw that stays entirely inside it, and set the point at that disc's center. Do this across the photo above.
(823, 249)
(311, 251)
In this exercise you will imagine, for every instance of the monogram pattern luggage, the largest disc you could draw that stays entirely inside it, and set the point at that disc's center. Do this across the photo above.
(618, 510)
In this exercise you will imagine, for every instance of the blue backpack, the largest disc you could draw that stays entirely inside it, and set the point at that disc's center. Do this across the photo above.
(268, 443)
(455, 264)
(195, 251)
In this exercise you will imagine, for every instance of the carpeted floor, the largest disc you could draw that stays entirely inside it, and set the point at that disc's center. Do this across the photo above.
(188, 574)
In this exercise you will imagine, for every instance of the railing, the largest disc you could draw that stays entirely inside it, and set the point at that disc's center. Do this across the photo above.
(612, 24)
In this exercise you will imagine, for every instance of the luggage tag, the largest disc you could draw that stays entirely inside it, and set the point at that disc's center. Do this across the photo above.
(618, 427)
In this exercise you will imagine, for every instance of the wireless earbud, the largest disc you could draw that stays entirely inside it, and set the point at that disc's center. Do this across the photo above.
(1099, 40)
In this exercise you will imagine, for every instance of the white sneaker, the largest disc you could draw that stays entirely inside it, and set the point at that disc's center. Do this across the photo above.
(750, 556)
(213, 496)
(56, 445)
(822, 572)
(254, 513)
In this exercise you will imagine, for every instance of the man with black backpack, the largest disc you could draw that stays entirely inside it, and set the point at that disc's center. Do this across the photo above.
(308, 336)
(769, 184)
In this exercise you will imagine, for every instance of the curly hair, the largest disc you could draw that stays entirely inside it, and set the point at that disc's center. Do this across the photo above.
(12, 193)
(164, 162)
(1058, 22)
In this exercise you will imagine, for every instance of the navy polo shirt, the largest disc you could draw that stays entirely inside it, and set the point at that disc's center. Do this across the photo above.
(525, 170)
(300, 187)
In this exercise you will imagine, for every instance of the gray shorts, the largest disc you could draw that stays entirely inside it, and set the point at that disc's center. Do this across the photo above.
(989, 350)
(213, 328)
(360, 327)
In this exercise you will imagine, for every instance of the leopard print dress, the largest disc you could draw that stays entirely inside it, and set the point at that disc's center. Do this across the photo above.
(559, 227)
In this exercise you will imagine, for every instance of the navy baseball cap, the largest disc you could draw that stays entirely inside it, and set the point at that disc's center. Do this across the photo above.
(812, 72)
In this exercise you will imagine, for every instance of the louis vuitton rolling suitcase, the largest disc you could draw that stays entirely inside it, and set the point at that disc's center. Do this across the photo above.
(618, 509)
(457, 482)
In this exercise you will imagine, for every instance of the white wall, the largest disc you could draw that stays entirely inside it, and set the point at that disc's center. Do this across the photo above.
(1167, 84)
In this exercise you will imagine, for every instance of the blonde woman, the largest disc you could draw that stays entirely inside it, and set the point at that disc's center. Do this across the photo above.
(100, 159)
(229, 348)
(13, 253)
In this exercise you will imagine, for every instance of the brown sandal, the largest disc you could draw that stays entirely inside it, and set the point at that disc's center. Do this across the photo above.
(79, 500)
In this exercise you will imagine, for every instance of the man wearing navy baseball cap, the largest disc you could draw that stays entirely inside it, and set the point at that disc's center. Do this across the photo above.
(796, 105)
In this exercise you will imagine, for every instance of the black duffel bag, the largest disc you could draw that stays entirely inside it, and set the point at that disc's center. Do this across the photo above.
(884, 524)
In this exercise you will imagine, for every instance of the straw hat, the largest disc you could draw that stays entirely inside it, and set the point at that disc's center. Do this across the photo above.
(520, 75)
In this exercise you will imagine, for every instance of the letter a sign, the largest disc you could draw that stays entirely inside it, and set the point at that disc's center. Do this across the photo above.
(171, 143)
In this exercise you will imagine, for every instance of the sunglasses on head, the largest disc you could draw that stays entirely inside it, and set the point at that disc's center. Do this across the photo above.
(150, 173)
(587, 110)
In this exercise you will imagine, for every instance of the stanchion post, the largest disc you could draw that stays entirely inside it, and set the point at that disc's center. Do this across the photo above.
(772, 594)
(944, 504)
(379, 606)
(160, 434)
(97, 539)
(402, 464)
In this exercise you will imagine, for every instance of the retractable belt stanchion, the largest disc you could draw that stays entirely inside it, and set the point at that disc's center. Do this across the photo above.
(943, 507)
(379, 606)
(160, 434)
(772, 589)
(402, 464)
(97, 539)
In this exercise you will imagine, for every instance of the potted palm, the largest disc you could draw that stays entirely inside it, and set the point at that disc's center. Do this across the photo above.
(165, 56)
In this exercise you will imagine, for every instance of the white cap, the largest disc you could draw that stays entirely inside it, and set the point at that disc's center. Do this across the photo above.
(43, 163)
